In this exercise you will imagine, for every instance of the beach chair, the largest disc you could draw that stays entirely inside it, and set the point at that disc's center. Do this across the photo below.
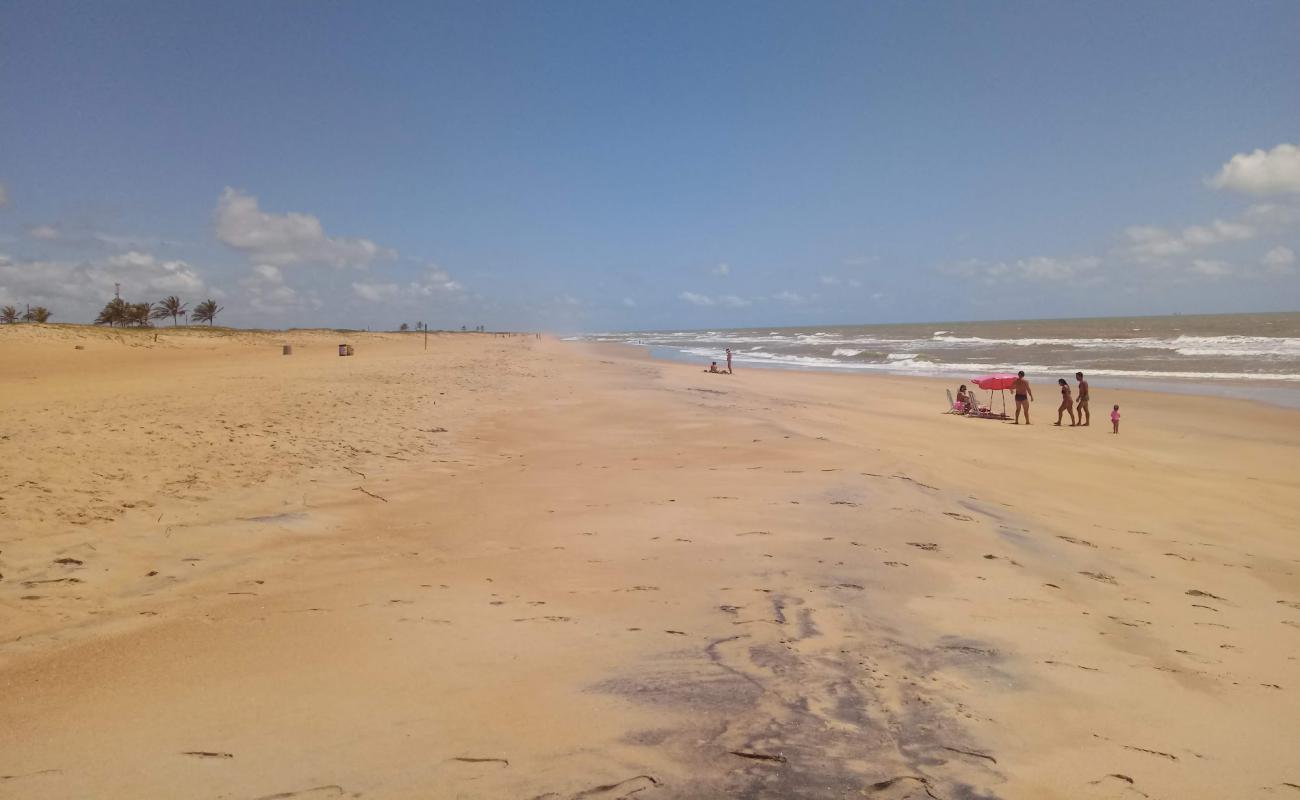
(952, 404)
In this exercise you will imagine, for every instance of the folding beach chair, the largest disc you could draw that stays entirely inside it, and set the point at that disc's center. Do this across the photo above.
(952, 404)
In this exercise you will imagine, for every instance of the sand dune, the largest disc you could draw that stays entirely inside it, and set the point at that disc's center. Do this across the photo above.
(516, 568)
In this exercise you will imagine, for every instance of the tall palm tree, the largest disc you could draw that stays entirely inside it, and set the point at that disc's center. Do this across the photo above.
(8, 315)
(39, 314)
(169, 307)
(206, 312)
(138, 314)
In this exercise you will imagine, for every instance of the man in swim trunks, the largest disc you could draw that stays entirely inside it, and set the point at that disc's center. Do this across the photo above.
(1023, 396)
(1085, 416)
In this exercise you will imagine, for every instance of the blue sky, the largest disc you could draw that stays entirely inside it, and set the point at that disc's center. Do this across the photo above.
(610, 165)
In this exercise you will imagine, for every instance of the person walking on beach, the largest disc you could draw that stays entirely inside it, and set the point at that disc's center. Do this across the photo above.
(1023, 396)
(728, 360)
(1084, 413)
(1067, 404)
(1114, 419)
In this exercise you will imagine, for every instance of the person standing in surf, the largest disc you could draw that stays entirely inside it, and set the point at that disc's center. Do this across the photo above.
(1084, 413)
(728, 360)
(1067, 404)
(1024, 395)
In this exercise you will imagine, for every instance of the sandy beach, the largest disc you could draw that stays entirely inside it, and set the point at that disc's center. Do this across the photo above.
(508, 567)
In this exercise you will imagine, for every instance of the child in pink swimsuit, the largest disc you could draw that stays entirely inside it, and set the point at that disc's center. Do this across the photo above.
(1114, 419)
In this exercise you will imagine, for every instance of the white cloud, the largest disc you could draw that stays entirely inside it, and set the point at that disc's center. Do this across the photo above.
(793, 298)
(269, 272)
(722, 269)
(629, 302)
(1038, 268)
(434, 281)
(1043, 268)
(1211, 268)
(284, 239)
(696, 299)
(1279, 261)
(1262, 171)
(267, 292)
(1149, 243)
(724, 300)
(829, 280)
(80, 236)
(1217, 232)
(132, 258)
(855, 283)
(74, 291)
(1273, 217)
(376, 292)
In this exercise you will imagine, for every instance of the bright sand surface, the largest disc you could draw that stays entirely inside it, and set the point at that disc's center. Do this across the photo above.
(520, 568)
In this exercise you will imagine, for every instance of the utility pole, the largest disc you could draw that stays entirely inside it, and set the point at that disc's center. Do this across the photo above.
(117, 291)
(426, 335)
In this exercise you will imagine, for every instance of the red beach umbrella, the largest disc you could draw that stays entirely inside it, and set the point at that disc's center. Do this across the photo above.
(998, 382)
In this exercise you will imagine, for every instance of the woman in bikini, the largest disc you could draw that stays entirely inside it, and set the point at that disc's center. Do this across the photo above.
(1067, 404)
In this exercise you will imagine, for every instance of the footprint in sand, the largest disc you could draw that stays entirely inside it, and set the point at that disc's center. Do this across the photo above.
(1082, 542)
(1132, 623)
(957, 516)
(930, 546)
(1101, 576)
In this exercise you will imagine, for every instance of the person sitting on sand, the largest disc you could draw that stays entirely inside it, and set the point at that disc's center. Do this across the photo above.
(965, 403)
(1024, 395)
(1114, 419)
(714, 369)
(1067, 404)
(1084, 413)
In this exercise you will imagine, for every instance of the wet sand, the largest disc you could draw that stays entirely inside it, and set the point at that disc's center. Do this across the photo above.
(516, 568)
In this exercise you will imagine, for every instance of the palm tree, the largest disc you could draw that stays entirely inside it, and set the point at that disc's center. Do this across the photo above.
(112, 314)
(39, 314)
(115, 312)
(138, 314)
(8, 315)
(206, 311)
(404, 327)
(169, 307)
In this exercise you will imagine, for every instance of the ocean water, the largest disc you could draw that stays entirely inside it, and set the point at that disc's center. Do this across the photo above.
(1247, 355)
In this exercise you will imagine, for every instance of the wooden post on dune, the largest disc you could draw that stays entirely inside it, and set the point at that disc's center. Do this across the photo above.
(426, 335)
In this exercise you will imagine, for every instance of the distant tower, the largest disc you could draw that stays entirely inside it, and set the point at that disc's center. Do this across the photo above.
(117, 291)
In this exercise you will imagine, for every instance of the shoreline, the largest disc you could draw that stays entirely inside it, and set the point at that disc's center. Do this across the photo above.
(1284, 396)
(586, 572)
